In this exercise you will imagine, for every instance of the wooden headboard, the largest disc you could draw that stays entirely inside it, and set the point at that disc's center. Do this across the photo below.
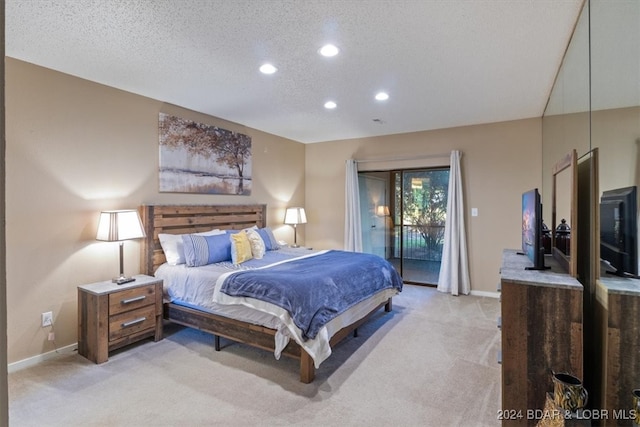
(184, 219)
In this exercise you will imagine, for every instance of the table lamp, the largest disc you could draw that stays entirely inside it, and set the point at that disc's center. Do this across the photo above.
(295, 216)
(118, 226)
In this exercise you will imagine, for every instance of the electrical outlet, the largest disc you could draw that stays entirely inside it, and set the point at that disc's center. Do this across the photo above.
(47, 319)
(52, 336)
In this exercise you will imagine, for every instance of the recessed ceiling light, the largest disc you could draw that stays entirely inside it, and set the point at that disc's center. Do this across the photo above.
(267, 69)
(382, 96)
(330, 105)
(328, 50)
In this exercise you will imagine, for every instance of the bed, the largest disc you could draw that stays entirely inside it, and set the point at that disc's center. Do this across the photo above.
(246, 323)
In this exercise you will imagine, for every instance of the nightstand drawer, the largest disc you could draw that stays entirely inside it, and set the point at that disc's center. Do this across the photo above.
(131, 299)
(131, 322)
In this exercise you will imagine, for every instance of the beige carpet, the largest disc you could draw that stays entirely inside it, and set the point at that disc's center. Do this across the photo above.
(431, 362)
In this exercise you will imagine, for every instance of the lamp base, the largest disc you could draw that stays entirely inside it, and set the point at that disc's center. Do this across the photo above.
(295, 246)
(122, 280)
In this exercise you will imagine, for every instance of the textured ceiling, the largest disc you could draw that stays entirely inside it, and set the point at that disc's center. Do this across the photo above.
(444, 63)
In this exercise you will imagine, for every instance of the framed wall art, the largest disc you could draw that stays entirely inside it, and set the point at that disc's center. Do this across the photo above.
(200, 158)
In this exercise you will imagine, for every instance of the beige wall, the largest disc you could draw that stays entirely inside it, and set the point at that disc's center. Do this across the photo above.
(560, 134)
(74, 148)
(616, 134)
(500, 161)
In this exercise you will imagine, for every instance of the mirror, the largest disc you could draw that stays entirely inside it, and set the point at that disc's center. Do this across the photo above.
(565, 135)
(564, 212)
(595, 100)
(615, 91)
(594, 108)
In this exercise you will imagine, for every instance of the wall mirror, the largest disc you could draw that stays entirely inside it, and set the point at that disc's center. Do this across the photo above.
(564, 212)
(615, 91)
(594, 107)
(595, 104)
(565, 137)
(565, 123)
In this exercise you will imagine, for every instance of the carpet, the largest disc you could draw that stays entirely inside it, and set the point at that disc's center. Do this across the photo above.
(432, 361)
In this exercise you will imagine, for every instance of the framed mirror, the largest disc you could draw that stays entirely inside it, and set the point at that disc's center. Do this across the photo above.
(564, 212)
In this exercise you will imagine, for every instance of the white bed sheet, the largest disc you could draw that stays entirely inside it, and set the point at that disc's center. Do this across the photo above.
(195, 287)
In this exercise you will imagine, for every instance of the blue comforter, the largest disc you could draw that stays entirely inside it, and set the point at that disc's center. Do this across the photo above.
(314, 290)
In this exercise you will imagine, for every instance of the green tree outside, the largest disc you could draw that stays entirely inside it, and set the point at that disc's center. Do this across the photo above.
(424, 202)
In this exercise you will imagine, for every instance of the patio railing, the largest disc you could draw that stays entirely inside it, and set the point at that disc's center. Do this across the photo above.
(416, 246)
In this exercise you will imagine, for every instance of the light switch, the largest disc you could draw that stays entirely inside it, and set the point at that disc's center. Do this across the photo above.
(474, 211)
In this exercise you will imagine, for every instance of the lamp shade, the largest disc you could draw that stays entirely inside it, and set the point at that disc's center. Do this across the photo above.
(295, 216)
(119, 225)
(382, 210)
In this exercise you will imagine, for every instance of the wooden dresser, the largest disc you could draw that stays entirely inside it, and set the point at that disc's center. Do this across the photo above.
(111, 316)
(618, 336)
(541, 323)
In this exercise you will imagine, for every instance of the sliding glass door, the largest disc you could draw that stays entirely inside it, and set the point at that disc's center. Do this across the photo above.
(374, 213)
(403, 215)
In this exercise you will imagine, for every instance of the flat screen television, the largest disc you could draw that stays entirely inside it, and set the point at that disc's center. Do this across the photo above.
(532, 245)
(619, 230)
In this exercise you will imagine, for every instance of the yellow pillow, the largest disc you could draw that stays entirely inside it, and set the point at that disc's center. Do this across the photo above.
(240, 248)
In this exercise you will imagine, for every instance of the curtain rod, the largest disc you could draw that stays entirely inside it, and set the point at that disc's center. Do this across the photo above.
(394, 159)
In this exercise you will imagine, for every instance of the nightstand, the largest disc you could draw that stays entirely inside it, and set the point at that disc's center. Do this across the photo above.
(112, 316)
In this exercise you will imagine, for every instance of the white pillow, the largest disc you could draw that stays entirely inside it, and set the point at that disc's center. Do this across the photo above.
(173, 247)
(256, 242)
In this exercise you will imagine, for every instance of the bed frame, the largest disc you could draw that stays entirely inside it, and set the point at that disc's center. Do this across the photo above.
(181, 219)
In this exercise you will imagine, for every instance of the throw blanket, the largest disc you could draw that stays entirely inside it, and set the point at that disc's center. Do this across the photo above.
(315, 289)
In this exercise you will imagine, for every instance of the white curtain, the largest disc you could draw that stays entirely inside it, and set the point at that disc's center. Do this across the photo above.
(454, 270)
(352, 224)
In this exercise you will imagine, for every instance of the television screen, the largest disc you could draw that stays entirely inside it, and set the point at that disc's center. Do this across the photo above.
(619, 230)
(532, 229)
(529, 224)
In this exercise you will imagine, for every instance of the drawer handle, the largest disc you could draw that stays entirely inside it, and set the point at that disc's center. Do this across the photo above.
(133, 322)
(130, 300)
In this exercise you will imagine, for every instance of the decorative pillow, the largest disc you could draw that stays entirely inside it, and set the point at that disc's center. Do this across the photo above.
(203, 250)
(173, 248)
(270, 242)
(240, 247)
(256, 242)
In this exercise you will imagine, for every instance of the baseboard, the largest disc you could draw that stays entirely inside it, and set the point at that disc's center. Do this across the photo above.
(485, 294)
(32, 361)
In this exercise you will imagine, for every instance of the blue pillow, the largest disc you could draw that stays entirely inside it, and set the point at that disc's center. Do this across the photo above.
(270, 242)
(203, 250)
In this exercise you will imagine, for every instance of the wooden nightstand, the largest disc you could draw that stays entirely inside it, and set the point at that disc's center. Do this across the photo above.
(111, 316)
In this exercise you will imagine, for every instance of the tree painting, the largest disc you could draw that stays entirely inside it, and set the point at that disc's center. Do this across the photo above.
(199, 158)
